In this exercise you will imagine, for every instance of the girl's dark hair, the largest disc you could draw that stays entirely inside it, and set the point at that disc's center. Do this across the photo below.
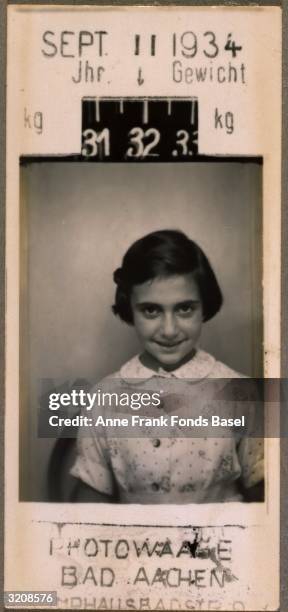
(162, 254)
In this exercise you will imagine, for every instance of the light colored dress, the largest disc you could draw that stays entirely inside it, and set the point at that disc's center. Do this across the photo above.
(172, 470)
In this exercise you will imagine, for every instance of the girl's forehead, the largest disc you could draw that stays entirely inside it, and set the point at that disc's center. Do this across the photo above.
(164, 290)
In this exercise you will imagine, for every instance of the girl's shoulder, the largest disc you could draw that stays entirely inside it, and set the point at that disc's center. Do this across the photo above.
(130, 370)
(205, 365)
(221, 370)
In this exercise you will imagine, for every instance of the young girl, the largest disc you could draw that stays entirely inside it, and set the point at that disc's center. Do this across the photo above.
(167, 289)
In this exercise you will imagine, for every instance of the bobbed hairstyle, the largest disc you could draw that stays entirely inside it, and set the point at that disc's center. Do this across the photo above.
(162, 254)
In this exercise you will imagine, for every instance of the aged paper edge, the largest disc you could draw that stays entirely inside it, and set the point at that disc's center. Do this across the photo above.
(3, 23)
(154, 2)
(284, 249)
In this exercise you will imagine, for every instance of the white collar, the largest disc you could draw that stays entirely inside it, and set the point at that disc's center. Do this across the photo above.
(200, 366)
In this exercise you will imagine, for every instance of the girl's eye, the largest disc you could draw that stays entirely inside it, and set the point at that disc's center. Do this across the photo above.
(150, 312)
(187, 310)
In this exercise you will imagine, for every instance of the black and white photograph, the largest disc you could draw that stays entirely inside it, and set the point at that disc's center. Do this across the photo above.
(140, 272)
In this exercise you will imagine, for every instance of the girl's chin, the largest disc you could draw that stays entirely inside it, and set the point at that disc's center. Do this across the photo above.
(166, 360)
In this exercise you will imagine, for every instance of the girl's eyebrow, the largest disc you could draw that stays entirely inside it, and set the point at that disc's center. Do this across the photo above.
(146, 304)
(177, 304)
(187, 303)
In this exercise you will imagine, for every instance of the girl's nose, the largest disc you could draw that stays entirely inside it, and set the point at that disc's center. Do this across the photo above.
(169, 326)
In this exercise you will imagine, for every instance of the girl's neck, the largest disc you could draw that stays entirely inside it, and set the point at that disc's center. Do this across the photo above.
(152, 363)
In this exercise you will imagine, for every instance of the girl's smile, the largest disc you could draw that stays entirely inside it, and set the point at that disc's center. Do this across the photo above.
(167, 314)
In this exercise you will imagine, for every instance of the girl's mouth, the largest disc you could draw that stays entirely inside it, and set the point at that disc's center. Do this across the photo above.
(168, 345)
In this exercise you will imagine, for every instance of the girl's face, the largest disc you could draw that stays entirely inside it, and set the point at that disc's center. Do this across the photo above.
(167, 314)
